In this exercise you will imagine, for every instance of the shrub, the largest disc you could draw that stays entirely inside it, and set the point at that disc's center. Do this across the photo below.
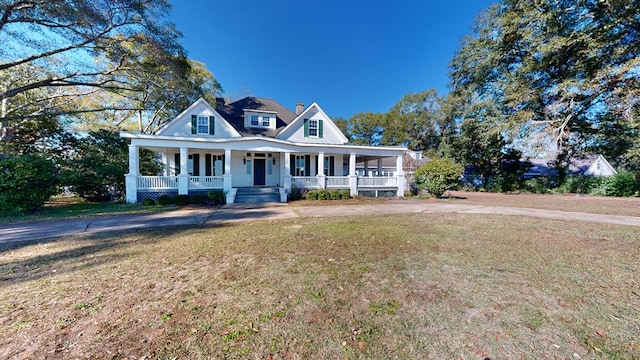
(536, 186)
(312, 195)
(26, 182)
(217, 197)
(438, 176)
(198, 199)
(148, 202)
(580, 184)
(296, 194)
(334, 194)
(181, 200)
(165, 200)
(324, 195)
(345, 194)
(622, 184)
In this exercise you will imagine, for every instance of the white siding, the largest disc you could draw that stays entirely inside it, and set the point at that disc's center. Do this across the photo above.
(181, 125)
(331, 133)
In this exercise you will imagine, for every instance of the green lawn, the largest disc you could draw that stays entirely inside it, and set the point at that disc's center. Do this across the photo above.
(415, 286)
(64, 207)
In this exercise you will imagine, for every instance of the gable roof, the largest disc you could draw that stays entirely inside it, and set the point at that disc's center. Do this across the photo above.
(581, 165)
(234, 114)
(185, 115)
(299, 119)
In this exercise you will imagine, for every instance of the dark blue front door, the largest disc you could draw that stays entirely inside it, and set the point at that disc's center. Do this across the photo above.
(259, 173)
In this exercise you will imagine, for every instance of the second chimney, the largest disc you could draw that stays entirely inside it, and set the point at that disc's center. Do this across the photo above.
(299, 108)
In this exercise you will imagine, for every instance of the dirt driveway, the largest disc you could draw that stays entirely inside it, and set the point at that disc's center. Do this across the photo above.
(574, 208)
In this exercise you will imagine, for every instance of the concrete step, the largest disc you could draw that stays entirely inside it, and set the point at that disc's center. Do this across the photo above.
(257, 195)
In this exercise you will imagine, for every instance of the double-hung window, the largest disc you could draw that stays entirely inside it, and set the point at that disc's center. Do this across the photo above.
(203, 125)
(266, 121)
(313, 127)
(254, 120)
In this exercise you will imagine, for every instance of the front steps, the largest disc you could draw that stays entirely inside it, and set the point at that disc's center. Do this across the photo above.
(257, 195)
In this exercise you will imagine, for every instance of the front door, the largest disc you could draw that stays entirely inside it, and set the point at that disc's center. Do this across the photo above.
(259, 173)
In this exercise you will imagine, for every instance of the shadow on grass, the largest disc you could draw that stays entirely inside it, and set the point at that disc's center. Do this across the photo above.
(100, 248)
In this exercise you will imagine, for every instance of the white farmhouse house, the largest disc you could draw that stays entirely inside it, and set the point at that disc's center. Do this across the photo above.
(258, 143)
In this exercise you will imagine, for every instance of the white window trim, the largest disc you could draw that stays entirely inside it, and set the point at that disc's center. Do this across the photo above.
(313, 126)
(203, 121)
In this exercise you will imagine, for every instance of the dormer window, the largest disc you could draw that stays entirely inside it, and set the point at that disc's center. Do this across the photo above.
(260, 119)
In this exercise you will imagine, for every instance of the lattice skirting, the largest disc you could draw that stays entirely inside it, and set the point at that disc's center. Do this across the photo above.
(155, 194)
(378, 193)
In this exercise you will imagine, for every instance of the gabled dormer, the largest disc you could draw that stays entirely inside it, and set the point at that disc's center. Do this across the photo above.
(313, 126)
(199, 120)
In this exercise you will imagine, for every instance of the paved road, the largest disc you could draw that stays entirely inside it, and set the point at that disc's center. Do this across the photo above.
(237, 212)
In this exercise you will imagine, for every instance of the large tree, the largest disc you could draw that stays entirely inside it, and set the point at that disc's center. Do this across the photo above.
(56, 52)
(415, 121)
(559, 67)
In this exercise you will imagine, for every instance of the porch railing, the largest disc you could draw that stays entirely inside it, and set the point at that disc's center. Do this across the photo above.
(206, 182)
(376, 182)
(337, 182)
(304, 182)
(157, 182)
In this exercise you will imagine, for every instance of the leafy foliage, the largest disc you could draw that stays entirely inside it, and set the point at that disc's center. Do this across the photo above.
(26, 182)
(624, 183)
(97, 170)
(438, 176)
(564, 72)
(415, 121)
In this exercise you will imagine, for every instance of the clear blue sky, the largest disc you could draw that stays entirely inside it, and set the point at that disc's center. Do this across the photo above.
(349, 56)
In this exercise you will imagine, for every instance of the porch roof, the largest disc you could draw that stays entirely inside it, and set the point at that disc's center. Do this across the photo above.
(257, 143)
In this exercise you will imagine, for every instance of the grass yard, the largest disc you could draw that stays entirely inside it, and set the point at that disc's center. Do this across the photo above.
(568, 202)
(415, 286)
(64, 207)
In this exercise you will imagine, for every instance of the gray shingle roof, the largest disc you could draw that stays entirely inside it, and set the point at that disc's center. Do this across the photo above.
(234, 114)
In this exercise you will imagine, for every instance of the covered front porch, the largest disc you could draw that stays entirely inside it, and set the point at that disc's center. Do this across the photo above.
(194, 167)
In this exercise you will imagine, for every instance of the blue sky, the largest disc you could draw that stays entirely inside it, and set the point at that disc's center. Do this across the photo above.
(349, 56)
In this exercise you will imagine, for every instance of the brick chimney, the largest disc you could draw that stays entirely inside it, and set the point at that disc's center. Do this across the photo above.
(299, 108)
(220, 102)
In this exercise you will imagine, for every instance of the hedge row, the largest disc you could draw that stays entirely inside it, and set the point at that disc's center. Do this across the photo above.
(327, 195)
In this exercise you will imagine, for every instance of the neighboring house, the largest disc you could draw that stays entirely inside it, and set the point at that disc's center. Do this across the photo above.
(590, 165)
(258, 143)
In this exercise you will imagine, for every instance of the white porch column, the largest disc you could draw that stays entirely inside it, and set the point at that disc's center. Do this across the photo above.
(227, 177)
(400, 176)
(322, 178)
(131, 179)
(285, 160)
(134, 167)
(166, 170)
(353, 177)
(183, 177)
(379, 166)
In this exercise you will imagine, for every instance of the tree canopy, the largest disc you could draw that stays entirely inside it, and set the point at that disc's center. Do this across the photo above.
(124, 53)
(559, 67)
